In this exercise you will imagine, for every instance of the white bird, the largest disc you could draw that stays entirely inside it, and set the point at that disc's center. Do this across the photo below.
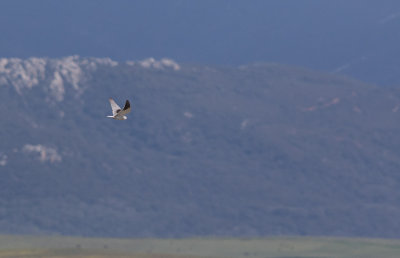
(118, 113)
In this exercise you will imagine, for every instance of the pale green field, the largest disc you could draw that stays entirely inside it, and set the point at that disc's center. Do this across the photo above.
(290, 247)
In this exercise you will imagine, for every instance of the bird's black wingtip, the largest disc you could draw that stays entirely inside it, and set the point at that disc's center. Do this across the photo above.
(127, 105)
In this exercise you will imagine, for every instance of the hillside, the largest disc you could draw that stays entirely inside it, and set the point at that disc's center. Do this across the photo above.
(257, 150)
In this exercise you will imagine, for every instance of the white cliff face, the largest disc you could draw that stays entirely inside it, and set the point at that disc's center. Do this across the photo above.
(58, 76)
(22, 73)
(43, 153)
(3, 159)
(54, 74)
(164, 63)
(57, 87)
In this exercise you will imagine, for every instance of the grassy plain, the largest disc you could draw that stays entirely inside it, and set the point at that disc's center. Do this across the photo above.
(274, 247)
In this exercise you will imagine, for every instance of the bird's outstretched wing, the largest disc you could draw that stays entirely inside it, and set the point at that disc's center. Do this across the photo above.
(115, 108)
(127, 108)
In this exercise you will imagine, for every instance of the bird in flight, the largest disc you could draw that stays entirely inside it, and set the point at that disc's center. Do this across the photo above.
(118, 113)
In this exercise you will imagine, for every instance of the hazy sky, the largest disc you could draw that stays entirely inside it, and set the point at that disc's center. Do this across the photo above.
(315, 33)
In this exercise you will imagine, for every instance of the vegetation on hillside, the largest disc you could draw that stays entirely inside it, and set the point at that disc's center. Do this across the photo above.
(252, 151)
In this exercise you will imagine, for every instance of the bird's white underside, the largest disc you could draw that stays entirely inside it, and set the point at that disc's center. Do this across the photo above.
(118, 113)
